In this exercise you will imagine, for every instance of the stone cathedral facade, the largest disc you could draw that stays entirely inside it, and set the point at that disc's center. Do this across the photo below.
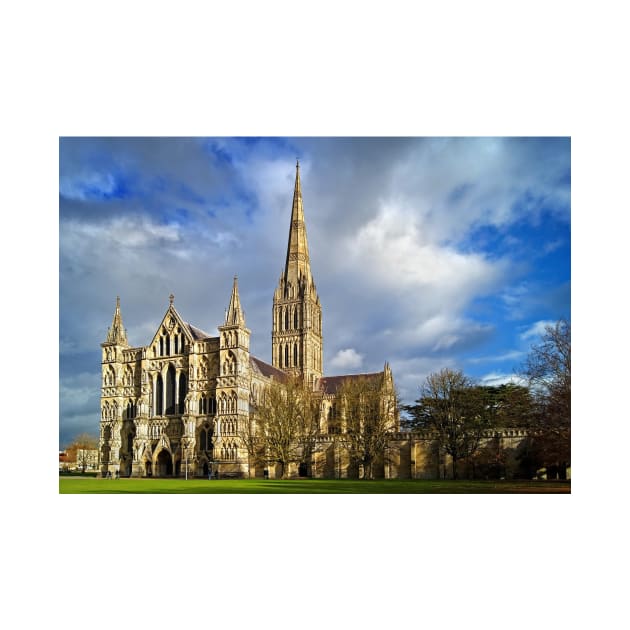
(175, 406)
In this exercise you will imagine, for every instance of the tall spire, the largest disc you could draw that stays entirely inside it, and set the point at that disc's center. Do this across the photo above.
(297, 263)
(117, 333)
(234, 313)
(296, 335)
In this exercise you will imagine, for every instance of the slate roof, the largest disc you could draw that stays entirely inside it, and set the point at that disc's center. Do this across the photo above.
(267, 370)
(197, 333)
(330, 384)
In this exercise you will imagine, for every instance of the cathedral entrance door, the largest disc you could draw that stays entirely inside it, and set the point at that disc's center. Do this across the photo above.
(164, 464)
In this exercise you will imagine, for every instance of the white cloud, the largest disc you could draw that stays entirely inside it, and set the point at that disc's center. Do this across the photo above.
(396, 252)
(507, 356)
(85, 186)
(498, 378)
(347, 359)
(536, 330)
(126, 231)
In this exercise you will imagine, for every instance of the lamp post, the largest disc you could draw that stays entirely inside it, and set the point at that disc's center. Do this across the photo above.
(185, 449)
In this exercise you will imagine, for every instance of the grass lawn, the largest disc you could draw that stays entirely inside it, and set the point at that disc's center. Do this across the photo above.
(74, 485)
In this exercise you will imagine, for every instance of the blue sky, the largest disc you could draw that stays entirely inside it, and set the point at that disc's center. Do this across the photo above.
(426, 252)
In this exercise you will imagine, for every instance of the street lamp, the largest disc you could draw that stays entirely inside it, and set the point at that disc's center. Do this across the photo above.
(185, 449)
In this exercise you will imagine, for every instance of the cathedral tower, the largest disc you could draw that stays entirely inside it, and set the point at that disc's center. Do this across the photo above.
(296, 338)
(112, 391)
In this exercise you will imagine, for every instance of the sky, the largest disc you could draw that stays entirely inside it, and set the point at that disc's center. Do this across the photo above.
(426, 252)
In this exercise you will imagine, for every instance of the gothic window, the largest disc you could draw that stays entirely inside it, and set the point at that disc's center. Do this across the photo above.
(286, 355)
(213, 405)
(170, 389)
(295, 318)
(182, 392)
(286, 318)
(168, 346)
(295, 354)
(333, 420)
(159, 396)
(176, 344)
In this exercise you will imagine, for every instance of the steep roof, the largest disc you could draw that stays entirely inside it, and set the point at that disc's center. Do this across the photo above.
(197, 333)
(267, 370)
(331, 384)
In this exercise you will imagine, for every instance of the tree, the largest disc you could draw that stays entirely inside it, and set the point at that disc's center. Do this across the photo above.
(508, 405)
(249, 439)
(78, 450)
(455, 411)
(548, 372)
(286, 423)
(369, 408)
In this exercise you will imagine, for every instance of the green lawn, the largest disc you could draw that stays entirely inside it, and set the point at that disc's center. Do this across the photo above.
(73, 485)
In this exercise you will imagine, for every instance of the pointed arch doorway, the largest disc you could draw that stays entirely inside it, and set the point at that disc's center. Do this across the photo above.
(164, 464)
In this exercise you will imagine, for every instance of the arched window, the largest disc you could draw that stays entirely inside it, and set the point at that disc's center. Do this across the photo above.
(161, 346)
(295, 318)
(168, 346)
(170, 389)
(176, 344)
(286, 355)
(286, 318)
(213, 405)
(159, 396)
(182, 391)
(295, 354)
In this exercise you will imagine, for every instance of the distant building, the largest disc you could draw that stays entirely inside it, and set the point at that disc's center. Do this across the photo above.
(87, 459)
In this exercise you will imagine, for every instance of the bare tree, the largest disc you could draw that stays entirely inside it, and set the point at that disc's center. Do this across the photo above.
(250, 440)
(548, 371)
(287, 423)
(79, 450)
(369, 409)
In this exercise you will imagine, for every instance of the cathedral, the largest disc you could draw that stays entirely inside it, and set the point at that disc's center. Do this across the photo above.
(176, 406)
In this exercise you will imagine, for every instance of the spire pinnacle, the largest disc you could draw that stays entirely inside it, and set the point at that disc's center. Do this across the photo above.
(117, 333)
(297, 263)
(234, 314)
